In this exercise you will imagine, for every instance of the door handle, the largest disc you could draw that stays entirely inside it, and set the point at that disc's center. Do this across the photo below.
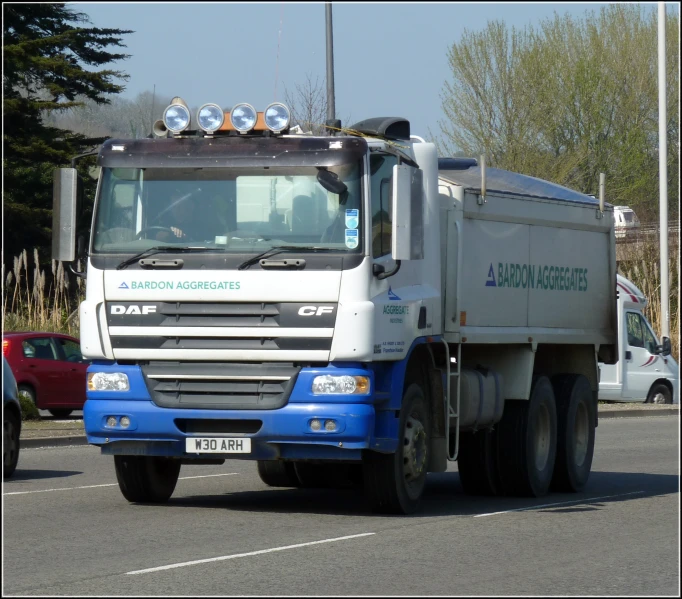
(628, 355)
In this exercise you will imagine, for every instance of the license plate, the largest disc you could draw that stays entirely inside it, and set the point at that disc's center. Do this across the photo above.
(217, 445)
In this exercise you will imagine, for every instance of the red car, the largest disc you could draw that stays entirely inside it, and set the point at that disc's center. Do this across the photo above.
(49, 368)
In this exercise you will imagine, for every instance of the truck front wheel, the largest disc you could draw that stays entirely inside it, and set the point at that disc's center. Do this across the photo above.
(276, 473)
(144, 479)
(528, 441)
(575, 439)
(394, 483)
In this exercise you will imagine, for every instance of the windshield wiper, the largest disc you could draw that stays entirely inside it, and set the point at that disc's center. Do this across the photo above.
(164, 248)
(284, 248)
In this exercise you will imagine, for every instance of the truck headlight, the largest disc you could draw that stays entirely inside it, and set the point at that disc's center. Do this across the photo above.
(108, 381)
(340, 385)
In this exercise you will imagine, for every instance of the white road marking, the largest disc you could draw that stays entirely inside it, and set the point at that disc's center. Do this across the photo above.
(250, 553)
(535, 507)
(108, 485)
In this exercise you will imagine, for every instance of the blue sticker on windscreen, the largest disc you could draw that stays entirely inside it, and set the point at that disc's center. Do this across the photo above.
(352, 220)
(351, 238)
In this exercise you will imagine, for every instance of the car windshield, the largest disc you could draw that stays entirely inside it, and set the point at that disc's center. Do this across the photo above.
(230, 209)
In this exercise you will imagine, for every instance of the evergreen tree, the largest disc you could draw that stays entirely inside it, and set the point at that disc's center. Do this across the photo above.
(51, 61)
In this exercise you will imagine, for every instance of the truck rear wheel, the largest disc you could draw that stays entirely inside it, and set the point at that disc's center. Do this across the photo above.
(575, 438)
(394, 483)
(276, 473)
(477, 463)
(144, 479)
(527, 442)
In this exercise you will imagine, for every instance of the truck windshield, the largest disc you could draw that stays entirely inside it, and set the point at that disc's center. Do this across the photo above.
(231, 209)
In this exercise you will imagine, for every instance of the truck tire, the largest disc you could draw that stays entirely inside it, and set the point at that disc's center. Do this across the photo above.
(144, 479)
(527, 442)
(394, 483)
(659, 394)
(276, 473)
(477, 463)
(575, 432)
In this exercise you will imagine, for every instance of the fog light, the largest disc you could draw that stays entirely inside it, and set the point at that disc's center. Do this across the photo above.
(330, 425)
(111, 421)
(315, 424)
(125, 421)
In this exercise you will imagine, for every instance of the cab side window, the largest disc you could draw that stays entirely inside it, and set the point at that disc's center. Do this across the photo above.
(381, 171)
(635, 332)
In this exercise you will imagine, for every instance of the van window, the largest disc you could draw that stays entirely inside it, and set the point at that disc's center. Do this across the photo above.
(649, 339)
(635, 332)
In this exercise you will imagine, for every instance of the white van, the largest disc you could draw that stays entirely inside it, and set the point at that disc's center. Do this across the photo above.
(645, 370)
(625, 220)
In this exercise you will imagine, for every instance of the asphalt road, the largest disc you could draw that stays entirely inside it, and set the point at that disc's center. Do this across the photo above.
(68, 531)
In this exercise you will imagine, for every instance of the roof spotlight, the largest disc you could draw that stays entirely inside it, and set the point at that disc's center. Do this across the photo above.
(176, 117)
(277, 117)
(210, 118)
(243, 117)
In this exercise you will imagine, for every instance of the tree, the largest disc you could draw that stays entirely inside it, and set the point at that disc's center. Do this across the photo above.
(568, 100)
(308, 105)
(50, 63)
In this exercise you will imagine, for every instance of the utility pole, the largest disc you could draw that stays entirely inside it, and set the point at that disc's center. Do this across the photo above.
(152, 114)
(663, 173)
(331, 107)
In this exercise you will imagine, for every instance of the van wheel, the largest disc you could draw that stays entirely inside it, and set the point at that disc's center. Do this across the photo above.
(659, 394)
(394, 482)
(276, 473)
(527, 442)
(575, 432)
(144, 479)
(477, 463)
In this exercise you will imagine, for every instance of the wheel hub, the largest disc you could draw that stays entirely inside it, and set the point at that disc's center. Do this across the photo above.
(414, 449)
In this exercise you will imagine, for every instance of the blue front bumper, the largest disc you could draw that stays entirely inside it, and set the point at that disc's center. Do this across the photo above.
(284, 432)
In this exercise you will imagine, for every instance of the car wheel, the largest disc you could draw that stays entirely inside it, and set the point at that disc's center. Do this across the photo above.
(28, 392)
(10, 443)
(60, 413)
(659, 394)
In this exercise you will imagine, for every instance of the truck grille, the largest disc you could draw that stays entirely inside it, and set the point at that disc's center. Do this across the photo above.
(226, 327)
(220, 386)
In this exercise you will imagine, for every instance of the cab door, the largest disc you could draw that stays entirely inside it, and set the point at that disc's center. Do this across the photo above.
(641, 360)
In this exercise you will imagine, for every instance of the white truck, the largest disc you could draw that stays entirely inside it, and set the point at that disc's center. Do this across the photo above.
(351, 309)
(645, 372)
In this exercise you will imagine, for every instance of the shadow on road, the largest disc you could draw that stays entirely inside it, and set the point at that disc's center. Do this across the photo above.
(24, 475)
(443, 497)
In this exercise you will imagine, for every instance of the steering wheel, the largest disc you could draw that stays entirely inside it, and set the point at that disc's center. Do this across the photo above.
(141, 232)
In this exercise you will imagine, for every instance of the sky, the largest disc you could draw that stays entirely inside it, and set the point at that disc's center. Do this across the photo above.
(390, 59)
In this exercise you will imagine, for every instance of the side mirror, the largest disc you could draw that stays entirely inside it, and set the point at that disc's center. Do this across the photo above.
(408, 213)
(665, 348)
(64, 210)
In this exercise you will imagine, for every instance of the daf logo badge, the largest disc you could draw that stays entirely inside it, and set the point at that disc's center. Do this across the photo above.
(115, 309)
